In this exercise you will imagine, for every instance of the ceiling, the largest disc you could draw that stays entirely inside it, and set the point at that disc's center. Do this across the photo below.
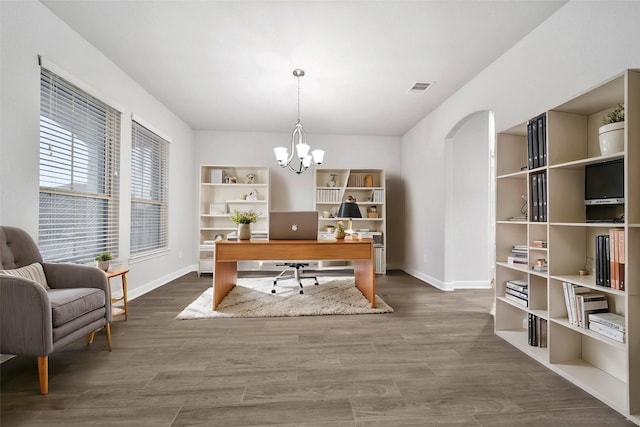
(227, 65)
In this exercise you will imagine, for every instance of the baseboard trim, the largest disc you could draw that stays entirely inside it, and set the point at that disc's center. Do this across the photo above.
(154, 284)
(430, 280)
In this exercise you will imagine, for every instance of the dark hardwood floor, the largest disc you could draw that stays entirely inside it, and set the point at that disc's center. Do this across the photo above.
(434, 361)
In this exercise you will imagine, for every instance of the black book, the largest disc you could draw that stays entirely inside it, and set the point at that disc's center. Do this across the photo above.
(542, 152)
(534, 198)
(530, 146)
(544, 196)
(607, 262)
(544, 137)
(529, 329)
(534, 143)
(598, 262)
(540, 198)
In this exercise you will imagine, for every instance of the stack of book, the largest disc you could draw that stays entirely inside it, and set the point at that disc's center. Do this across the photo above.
(519, 255)
(539, 197)
(610, 325)
(517, 291)
(610, 259)
(537, 141)
(537, 331)
(581, 302)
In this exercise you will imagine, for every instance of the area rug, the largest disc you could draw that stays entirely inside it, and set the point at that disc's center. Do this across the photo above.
(252, 297)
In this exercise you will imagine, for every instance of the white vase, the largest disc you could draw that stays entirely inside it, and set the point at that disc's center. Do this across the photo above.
(102, 265)
(611, 138)
(244, 231)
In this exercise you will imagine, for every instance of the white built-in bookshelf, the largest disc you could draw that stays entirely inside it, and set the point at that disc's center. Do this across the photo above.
(605, 368)
(223, 189)
(367, 186)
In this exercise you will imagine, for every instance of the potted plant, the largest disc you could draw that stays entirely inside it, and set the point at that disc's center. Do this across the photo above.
(611, 133)
(244, 220)
(102, 260)
(339, 233)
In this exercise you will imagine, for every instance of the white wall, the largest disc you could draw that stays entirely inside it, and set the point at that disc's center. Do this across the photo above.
(467, 203)
(29, 29)
(295, 192)
(581, 45)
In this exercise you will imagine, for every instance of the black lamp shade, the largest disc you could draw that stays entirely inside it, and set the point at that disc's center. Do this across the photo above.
(349, 210)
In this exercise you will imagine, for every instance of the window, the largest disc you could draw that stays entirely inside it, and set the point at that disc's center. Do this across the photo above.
(79, 166)
(149, 191)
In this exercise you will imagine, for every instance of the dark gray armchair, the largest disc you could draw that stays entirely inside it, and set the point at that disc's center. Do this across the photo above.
(36, 321)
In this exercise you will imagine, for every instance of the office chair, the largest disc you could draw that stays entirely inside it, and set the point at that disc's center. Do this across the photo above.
(296, 275)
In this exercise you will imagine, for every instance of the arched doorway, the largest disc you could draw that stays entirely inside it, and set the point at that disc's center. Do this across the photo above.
(469, 202)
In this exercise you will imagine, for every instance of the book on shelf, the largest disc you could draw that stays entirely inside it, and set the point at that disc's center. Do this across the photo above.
(542, 332)
(532, 338)
(521, 295)
(602, 261)
(534, 198)
(532, 149)
(610, 320)
(518, 285)
(516, 299)
(538, 244)
(570, 292)
(543, 196)
(587, 303)
(540, 268)
(616, 258)
(536, 331)
(542, 139)
(517, 260)
(614, 334)
(621, 258)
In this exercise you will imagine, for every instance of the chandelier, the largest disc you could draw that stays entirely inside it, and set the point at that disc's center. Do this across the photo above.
(299, 160)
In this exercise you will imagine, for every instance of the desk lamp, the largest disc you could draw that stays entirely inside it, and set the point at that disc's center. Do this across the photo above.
(349, 209)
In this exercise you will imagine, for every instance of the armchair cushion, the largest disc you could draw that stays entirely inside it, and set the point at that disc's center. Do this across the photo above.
(69, 304)
(33, 272)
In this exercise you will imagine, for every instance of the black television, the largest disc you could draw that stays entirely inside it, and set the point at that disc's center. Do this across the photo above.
(604, 183)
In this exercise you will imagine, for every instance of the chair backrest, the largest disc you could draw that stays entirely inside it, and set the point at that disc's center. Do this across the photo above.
(17, 248)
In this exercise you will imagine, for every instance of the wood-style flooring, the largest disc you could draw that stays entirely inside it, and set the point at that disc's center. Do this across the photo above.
(434, 361)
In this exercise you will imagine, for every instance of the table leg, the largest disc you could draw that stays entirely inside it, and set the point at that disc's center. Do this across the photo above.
(124, 294)
(225, 276)
(366, 279)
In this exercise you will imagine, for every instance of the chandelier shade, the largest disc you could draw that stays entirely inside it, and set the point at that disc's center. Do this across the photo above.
(298, 159)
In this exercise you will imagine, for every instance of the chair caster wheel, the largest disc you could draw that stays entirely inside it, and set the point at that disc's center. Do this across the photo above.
(273, 291)
(301, 293)
(316, 283)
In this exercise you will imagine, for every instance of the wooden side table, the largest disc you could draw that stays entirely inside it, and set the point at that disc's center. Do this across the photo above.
(118, 311)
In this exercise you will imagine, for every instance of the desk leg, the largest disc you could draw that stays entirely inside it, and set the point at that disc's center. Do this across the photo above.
(225, 276)
(366, 279)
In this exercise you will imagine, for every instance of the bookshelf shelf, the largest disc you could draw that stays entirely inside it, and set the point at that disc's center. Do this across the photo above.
(601, 366)
(218, 199)
(367, 186)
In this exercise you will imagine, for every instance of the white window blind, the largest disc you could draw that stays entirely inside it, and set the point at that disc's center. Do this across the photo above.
(79, 168)
(149, 191)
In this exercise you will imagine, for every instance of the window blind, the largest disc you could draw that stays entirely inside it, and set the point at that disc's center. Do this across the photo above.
(79, 166)
(149, 191)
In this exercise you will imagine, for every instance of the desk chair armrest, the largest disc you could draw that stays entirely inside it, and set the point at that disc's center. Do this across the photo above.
(25, 317)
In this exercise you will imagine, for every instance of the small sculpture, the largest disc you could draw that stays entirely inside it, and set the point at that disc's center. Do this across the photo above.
(251, 177)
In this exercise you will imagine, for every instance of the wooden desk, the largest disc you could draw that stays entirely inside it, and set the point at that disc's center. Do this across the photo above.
(117, 311)
(228, 253)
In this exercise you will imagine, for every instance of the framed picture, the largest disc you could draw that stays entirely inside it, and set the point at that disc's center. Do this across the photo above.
(253, 195)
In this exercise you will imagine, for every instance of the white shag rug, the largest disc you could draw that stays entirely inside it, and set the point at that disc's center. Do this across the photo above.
(252, 297)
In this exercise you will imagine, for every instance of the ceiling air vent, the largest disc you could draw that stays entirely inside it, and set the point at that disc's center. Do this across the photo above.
(420, 87)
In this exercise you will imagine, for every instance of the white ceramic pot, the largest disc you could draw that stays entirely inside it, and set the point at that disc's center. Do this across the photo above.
(244, 231)
(611, 138)
(102, 265)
